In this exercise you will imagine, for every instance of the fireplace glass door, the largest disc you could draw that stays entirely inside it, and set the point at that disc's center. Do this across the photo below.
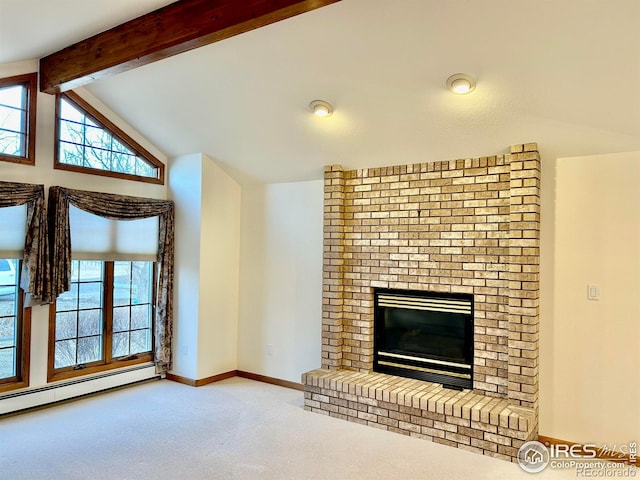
(425, 335)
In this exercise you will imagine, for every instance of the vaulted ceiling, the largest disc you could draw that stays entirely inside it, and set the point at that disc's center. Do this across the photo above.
(563, 73)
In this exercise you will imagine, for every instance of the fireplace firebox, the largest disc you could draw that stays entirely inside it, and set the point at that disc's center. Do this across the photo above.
(424, 335)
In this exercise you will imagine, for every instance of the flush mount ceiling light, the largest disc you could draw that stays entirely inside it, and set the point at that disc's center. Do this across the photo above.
(461, 83)
(321, 108)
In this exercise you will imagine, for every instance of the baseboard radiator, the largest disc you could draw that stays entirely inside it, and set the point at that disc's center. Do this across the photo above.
(12, 402)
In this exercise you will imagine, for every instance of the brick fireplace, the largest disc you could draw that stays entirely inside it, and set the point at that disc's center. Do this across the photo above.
(467, 226)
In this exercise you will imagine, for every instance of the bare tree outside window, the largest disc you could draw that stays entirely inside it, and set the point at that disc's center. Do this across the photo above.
(132, 308)
(84, 143)
(12, 120)
(83, 324)
(79, 316)
(18, 96)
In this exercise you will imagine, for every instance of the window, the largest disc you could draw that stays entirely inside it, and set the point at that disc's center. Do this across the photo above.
(14, 328)
(120, 246)
(105, 321)
(18, 118)
(88, 142)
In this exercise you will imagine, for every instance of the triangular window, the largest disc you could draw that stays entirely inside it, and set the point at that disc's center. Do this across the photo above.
(90, 143)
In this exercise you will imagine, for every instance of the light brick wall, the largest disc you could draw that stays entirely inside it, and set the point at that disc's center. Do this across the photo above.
(524, 274)
(465, 226)
(333, 268)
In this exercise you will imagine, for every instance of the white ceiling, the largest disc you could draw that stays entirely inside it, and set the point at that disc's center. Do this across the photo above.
(35, 28)
(563, 73)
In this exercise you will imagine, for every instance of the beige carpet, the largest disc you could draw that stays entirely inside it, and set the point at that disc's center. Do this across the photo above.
(236, 429)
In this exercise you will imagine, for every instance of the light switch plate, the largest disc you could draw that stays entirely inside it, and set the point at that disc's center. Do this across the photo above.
(593, 292)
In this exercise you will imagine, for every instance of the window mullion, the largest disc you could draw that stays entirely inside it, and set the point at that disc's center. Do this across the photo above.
(108, 311)
(24, 117)
(19, 332)
(154, 303)
(85, 162)
(78, 284)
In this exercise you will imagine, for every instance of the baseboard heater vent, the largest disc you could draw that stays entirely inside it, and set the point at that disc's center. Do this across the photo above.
(35, 397)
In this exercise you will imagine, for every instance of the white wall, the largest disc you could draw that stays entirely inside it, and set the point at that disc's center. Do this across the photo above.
(590, 360)
(43, 173)
(281, 279)
(207, 267)
(219, 272)
(185, 185)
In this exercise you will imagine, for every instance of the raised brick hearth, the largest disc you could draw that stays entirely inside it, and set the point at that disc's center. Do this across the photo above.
(463, 226)
(464, 419)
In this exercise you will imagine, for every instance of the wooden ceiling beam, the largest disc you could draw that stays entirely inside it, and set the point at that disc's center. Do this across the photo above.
(176, 28)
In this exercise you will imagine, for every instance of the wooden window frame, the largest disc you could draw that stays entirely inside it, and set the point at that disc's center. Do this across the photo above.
(113, 130)
(30, 83)
(107, 362)
(21, 380)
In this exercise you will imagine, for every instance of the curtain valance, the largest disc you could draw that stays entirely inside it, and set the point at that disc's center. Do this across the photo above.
(118, 207)
(35, 261)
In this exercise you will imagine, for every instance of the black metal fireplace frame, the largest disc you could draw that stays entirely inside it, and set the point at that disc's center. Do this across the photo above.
(449, 374)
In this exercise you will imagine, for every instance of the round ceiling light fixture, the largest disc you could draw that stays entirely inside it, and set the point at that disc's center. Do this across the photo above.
(320, 108)
(461, 84)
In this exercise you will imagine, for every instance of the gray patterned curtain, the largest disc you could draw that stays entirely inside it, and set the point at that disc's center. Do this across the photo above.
(35, 262)
(117, 207)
